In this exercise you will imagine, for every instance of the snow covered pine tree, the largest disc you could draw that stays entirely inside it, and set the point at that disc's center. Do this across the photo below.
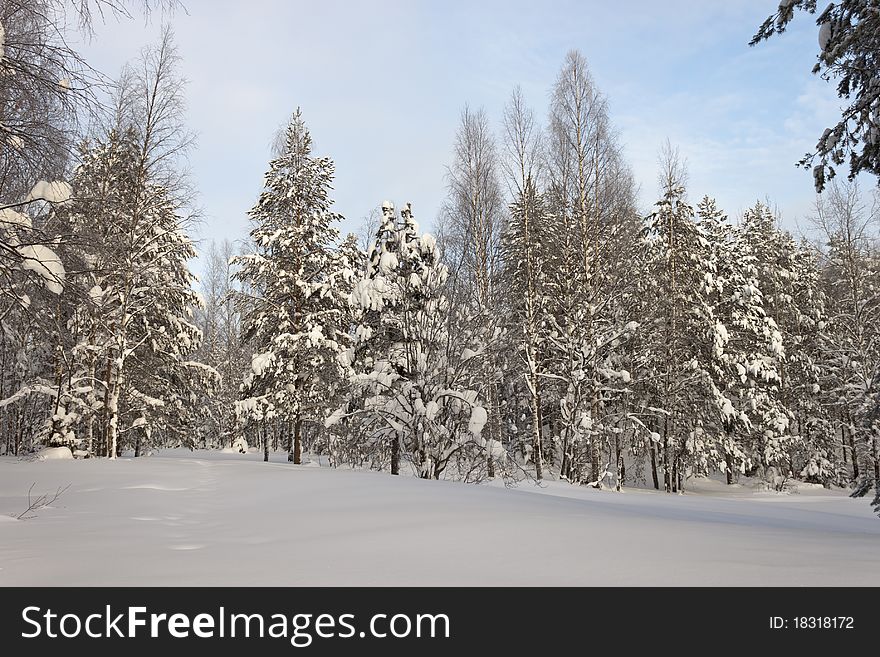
(295, 306)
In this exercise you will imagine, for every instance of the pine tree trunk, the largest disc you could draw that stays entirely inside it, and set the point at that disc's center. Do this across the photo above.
(265, 442)
(654, 464)
(728, 459)
(875, 453)
(395, 454)
(852, 452)
(428, 468)
(297, 441)
(289, 430)
(331, 446)
(19, 436)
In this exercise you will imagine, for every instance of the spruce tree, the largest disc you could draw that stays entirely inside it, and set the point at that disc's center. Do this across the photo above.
(294, 316)
(135, 330)
(677, 334)
(523, 255)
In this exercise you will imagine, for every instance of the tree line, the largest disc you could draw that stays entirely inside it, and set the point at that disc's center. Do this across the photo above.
(548, 328)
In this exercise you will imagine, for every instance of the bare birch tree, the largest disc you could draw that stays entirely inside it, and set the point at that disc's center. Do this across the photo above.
(473, 216)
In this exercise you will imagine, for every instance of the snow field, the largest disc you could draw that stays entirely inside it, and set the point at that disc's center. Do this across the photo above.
(212, 519)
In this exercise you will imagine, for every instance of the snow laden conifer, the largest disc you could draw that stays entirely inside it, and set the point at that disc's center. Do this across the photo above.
(849, 39)
(135, 331)
(410, 374)
(750, 421)
(341, 440)
(787, 275)
(677, 336)
(524, 302)
(129, 218)
(294, 316)
(523, 265)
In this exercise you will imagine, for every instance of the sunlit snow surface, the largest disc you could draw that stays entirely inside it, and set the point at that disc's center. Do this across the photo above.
(182, 518)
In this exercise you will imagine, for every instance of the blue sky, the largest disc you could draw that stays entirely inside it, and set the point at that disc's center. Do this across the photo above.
(381, 85)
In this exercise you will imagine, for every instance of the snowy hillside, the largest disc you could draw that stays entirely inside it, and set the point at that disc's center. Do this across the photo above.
(208, 518)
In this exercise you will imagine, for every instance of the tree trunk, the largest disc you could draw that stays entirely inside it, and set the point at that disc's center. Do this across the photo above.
(19, 436)
(594, 441)
(539, 433)
(494, 429)
(565, 467)
(869, 455)
(90, 423)
(297, 441)
(395, 454)
(536, 430)
(654, 464)
(875, 452)
(619, 467)
(852, 451)
(667, 482)
(105, 412)
(113, 413)
(265, 441)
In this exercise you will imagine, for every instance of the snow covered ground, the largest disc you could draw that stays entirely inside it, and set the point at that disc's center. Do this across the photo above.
(181, 518)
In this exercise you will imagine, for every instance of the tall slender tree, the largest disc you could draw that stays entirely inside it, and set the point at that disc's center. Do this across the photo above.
(294, 317)
(590, 196)
(474, 219)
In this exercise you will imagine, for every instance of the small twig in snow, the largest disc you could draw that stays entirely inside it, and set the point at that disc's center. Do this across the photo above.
(40, 502)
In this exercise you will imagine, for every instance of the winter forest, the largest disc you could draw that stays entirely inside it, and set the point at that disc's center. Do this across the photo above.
(542, 327)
